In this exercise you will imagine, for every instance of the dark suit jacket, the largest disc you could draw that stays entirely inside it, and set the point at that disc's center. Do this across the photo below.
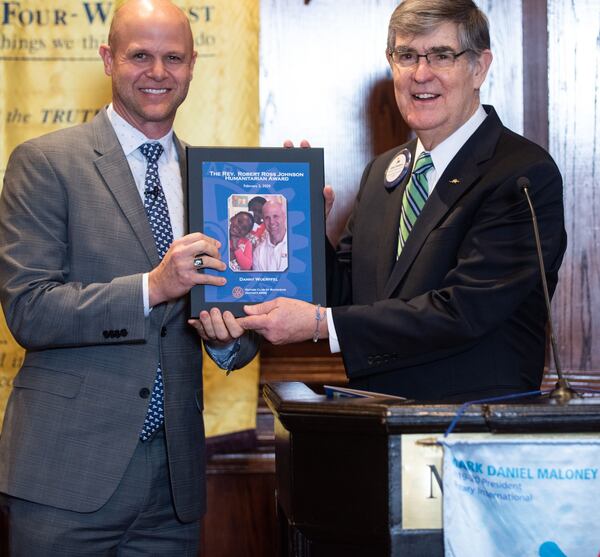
(74, 243)
(460, 314)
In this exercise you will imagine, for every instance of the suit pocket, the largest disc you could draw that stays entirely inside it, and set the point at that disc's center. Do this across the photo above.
(445, 233)
(50, 381)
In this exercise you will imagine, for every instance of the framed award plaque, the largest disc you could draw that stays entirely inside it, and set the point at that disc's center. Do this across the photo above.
(265, 206)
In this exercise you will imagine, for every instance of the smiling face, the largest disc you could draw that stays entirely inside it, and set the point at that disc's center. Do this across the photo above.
(240, 225)
(150, 60)
(274, 216)
(435, 103)
(256, 207)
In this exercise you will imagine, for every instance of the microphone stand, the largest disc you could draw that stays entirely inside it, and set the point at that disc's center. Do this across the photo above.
(562, 392)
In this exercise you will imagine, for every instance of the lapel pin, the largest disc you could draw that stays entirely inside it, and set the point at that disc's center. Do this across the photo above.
(397, 169)
(455, 181)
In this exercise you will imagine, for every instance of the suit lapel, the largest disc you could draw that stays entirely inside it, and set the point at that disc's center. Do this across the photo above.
(460, 175)
(181, 155)
(388, 246)
(116, 173)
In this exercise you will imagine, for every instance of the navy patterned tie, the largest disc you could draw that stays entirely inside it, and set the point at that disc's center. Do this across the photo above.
(157, 210)
(415, 196)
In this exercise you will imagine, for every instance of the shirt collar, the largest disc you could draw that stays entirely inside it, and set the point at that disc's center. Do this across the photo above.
(283, 241)
(447, 149)
(131, 138)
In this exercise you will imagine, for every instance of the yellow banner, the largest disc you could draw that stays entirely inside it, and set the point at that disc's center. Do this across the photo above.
(52, 77)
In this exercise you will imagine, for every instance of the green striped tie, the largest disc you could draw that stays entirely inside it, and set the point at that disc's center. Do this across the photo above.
(415, 197)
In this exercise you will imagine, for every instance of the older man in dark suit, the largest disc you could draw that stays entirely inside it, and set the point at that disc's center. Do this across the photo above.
(435, 288)
(102, 450)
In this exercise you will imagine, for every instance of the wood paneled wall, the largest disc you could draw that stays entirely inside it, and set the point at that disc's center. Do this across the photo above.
(322, 70)
(574, 135)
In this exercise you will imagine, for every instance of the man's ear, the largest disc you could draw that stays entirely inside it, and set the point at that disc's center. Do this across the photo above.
(193, 63)
(107, 57)
(481, 66)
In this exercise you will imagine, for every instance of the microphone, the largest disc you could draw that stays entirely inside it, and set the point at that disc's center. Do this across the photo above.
(562, 392)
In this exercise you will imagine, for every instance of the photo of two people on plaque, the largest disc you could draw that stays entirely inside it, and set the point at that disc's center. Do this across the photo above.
(258, 233)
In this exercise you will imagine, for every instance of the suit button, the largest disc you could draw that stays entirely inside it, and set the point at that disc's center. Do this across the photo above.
(144, 393)
(123, 332)
(163, 332)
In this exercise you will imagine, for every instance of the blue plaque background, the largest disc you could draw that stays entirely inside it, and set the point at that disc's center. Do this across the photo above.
(291, 180)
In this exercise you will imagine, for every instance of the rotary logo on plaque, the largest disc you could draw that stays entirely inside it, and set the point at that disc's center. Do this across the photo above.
(237, 292)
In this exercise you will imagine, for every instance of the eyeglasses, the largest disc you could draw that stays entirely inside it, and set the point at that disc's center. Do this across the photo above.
(438, 60)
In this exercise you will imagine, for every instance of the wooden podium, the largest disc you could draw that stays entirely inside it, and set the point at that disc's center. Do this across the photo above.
(362, 477)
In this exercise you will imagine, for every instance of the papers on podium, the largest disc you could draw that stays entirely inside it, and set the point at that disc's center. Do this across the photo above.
(344, 392)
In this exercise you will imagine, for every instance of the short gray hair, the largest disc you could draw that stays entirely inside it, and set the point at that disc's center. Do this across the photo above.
(420, 17)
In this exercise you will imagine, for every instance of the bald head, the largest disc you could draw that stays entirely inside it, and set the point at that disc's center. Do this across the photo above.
(274, 216)
(153, 11)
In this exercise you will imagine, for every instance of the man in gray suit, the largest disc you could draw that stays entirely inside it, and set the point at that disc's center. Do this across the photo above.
(102, 450)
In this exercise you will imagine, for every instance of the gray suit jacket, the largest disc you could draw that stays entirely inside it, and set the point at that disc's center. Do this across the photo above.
(74, 243)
